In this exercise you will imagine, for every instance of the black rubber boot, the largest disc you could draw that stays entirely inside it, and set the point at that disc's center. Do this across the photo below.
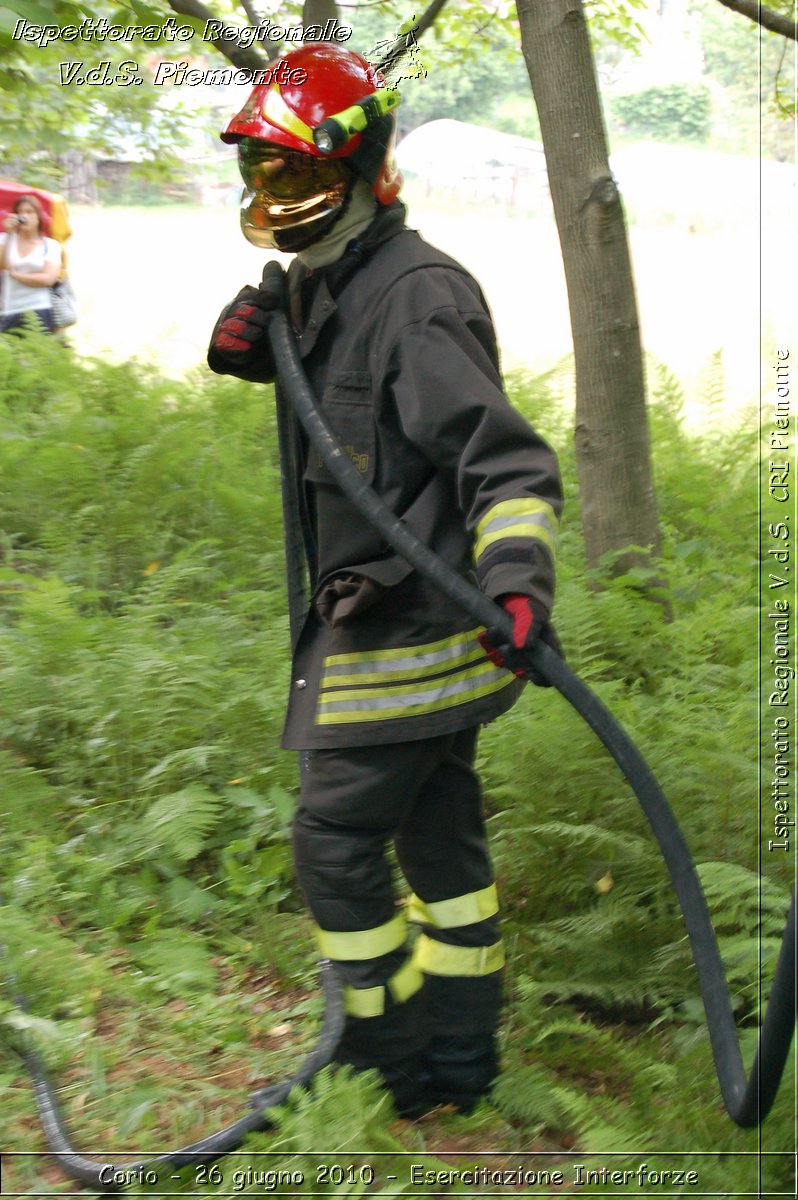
(392, 1044)
(461, 1060)
(405, 1081)
(460, 1070)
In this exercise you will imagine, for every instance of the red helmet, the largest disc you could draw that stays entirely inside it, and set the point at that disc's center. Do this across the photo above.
(286, 112)
(293, 198)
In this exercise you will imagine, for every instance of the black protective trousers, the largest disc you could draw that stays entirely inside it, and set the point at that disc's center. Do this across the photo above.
(424, 1014)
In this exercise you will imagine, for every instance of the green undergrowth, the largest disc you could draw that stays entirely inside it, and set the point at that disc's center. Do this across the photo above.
(148, 902)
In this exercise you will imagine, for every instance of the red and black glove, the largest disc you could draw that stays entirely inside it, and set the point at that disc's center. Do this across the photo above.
(241, 327)
(240, 332)
(530, 622)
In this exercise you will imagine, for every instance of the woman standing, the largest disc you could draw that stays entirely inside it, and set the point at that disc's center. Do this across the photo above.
(32, 264)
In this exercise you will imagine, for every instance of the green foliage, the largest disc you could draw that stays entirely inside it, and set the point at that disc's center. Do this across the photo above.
(675, 112)
(46, 122)
(748, 915)
(340, 1109)
(177, 962)
(475, 70)
(463, 80)
(141, 632)
(616, 23)
(754, 106)
(50, 120)
(150, 910)
(178, 824)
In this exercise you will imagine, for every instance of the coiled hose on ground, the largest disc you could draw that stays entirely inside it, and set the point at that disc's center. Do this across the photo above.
(101, 1176)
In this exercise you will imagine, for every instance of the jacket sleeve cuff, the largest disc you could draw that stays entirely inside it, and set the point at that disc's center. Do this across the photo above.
(528, 577)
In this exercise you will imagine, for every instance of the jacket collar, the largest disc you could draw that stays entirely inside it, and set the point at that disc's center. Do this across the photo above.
(386, 224)
(326, 283)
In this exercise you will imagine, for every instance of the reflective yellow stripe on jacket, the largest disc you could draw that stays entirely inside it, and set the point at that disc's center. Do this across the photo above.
(525, 517)
(379, 685)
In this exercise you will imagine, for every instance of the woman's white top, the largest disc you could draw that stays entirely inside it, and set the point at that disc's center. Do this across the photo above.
(18, 297)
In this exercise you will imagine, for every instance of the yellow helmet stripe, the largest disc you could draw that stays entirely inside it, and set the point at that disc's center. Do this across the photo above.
(277, 111)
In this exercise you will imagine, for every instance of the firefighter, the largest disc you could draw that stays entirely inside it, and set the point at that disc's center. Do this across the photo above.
(390, 683)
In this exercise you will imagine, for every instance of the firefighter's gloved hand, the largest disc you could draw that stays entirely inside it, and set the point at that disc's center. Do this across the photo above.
(530, 622)
(241, 329)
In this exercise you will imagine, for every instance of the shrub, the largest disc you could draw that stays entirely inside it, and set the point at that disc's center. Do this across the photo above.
(677, 112)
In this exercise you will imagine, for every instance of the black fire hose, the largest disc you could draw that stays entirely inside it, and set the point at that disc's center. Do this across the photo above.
(747, 1102)
(107, 1177)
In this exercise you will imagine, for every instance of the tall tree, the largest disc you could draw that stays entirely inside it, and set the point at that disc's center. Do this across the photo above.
(612, 439)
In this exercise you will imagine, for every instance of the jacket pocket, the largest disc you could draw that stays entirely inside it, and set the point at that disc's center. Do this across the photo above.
(345, 597)
(347, 406)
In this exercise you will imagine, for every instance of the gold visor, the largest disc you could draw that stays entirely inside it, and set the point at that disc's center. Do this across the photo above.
(285, 189)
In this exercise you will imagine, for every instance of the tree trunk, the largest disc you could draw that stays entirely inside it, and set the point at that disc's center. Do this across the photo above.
(612, 442)
(79, 180)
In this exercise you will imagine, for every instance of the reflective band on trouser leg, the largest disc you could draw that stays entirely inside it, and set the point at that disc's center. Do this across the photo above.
(439, 958)
(370, 1002)
(362, 944)
(467, 909)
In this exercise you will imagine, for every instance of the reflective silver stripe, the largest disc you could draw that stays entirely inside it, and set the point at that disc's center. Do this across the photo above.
(410, 693)
(521, 518)
(459, 910)
(397, 652)
(403, 655)
(381, 704)
(502, 523)
(415, 666)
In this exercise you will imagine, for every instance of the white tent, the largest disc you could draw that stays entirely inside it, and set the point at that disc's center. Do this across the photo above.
(477, 163)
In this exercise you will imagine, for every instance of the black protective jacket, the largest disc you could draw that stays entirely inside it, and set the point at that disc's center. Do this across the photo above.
(399, 348)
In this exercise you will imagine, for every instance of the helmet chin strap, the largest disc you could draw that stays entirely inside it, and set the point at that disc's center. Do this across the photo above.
(353, 218)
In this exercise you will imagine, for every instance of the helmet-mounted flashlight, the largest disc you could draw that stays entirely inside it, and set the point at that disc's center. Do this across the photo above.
(340, 128)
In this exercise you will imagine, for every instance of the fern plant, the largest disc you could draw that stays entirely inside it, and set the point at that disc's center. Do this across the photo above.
(145, 802)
